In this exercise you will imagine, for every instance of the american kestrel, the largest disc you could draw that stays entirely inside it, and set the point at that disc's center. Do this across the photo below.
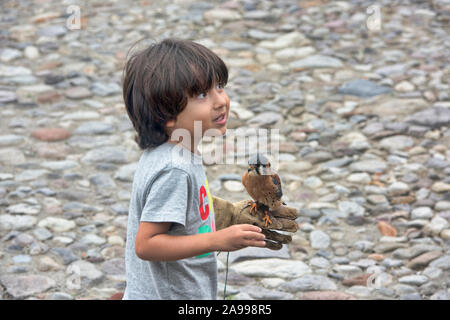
(263, 185)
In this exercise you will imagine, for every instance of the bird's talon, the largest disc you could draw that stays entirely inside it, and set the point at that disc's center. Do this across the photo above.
(266, 219)
(254, 207)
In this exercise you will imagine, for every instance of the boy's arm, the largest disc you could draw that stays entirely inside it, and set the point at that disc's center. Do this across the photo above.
(154, 244)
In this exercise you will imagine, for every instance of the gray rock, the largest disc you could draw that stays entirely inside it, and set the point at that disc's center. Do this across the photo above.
(10, 139)
(32, 174)
(23, 208)
(363, 88)
(399, 142)
(93, 239)
(20, 223)
(56, 224)
(266, 118)
(104, 89)
(120, 208)
(309, 283)
(53, 31)
(102, 181)
(7, 96)
(23, 286)
(415, 280)
(261, 293)
(432, 117)
(316, 61)
(67, 256)
(86, 271)
(371, 166)
(255, 253)
(114, 267)
(60, 296)
(59, 165)
(126, 172)
(422, 213)
(442, 263)
(108, 155)
(269, 267)
(319, 239)
(95, 127)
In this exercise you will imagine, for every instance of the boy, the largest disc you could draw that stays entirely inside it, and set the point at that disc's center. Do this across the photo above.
(171, 87)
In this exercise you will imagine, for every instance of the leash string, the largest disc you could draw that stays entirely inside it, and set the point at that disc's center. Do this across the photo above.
(226, 276)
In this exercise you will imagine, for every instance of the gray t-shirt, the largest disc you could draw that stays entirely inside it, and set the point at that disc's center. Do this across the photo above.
(170, 185)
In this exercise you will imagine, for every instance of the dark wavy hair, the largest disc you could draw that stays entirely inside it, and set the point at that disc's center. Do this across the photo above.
(158, 80)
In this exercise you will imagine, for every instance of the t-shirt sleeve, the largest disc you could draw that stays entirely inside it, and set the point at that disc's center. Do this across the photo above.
(167, 200)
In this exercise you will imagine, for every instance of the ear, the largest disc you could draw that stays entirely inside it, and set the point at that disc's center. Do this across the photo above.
(171, 123)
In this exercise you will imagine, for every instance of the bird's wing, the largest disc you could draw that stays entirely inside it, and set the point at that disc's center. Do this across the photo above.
(277, 182)
(245, 179)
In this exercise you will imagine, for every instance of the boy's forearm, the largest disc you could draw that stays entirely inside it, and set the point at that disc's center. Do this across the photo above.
(165, 247)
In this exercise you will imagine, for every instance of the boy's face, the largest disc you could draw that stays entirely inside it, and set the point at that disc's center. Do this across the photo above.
(211, 108)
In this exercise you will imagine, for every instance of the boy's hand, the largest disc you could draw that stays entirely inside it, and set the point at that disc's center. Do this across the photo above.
(238, 237)
(228, 214)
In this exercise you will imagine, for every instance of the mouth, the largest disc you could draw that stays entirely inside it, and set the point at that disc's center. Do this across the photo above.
(221, 120)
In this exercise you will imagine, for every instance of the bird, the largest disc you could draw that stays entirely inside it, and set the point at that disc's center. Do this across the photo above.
(263, 185)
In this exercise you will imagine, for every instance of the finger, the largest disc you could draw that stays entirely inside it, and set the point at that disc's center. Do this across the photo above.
(285, 212)
(283, 225)
(250, 227)
(277, 237)
(254, 243)
(258, 236)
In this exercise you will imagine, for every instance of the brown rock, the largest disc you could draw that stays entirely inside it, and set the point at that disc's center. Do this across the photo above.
(386, 229)
(376, 257)
(326, 295)
(51, 134)
(403, 200)
(116, 296)
(424, 259)
(78, 93)
(52, 150)
(49, 97)
(360, 280)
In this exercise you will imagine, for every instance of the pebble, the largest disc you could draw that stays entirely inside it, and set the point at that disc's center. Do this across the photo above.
(363, 88)
(23, 286)
(309, 283)
(415, 280)
(316, 61)
(285, 269)
(233, 186)
(421, 213)
(319, 239)
(50, 134)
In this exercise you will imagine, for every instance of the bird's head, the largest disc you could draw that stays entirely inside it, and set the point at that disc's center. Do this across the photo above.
(259, 164)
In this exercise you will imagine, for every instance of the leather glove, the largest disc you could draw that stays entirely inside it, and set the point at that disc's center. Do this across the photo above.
(228, 214)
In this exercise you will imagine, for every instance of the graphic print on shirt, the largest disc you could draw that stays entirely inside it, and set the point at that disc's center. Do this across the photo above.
(206, 210)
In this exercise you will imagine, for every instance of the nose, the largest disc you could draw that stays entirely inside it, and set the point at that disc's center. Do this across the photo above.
(220, 98)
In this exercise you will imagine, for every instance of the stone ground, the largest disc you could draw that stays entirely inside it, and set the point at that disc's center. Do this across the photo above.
(363, 115)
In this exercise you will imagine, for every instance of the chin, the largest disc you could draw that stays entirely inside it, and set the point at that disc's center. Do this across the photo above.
(223, 130)
(215, 132)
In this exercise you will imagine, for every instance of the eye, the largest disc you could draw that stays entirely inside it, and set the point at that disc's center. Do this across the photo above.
(201, 95)
(220, 86)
